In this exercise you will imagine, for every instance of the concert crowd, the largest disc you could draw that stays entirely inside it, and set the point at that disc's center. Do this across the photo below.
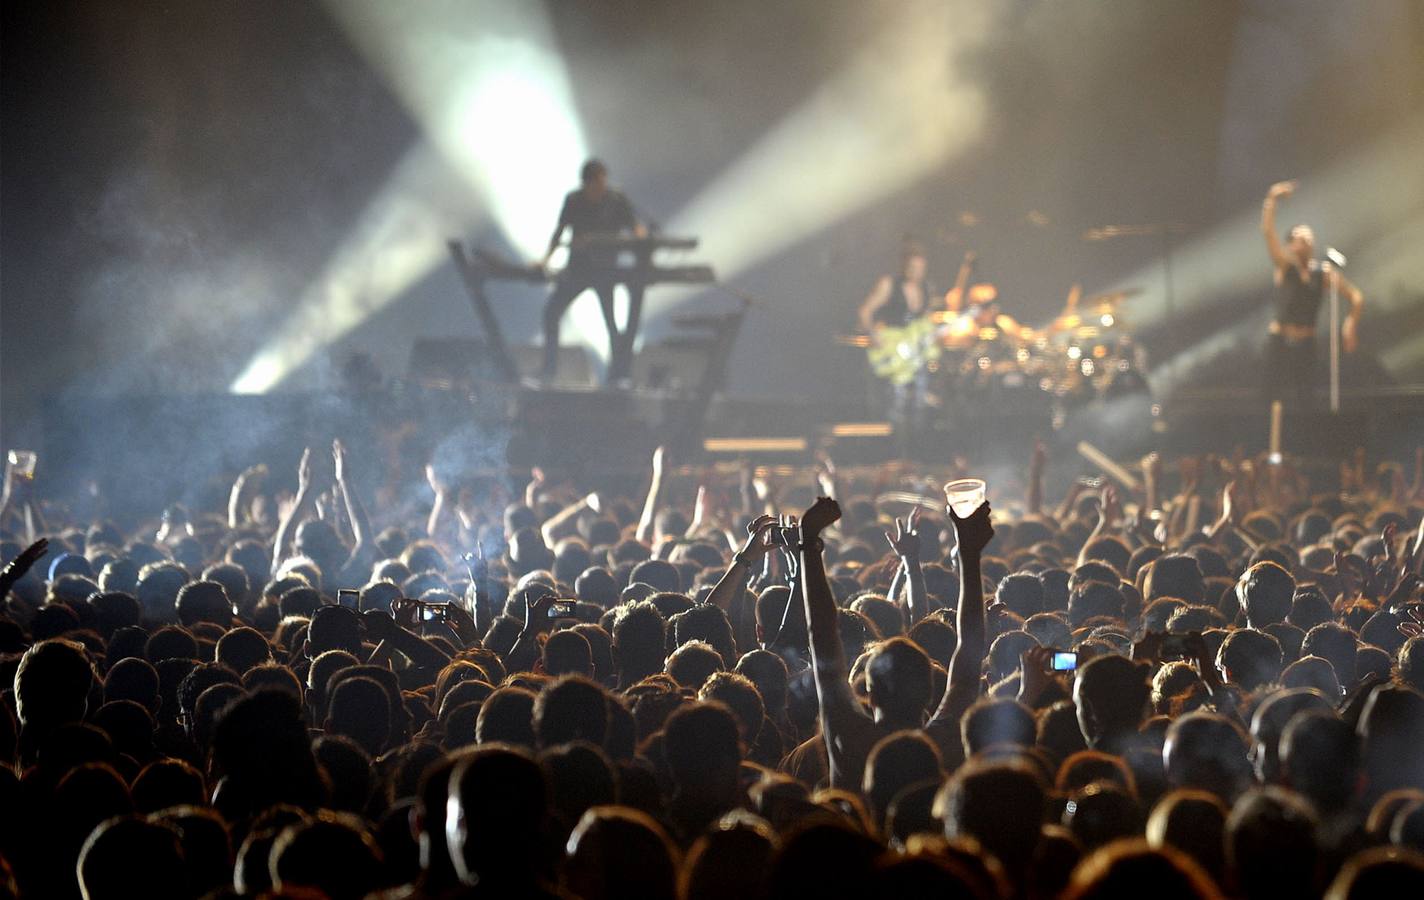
(1202, 680)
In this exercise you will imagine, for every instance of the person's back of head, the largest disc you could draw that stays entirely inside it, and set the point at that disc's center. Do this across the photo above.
(1132, 868)
(897, 761)
(1251, 659)
(359, 709)
(1100, 813)
(729, 861)
(999, 805)
(123, 846)
(303, 601)
(1022, 593)
(617, 852)
(1271, 846)
(1338, 645)
(206, 843)
(825, 859)
(115, 610)
(507, 716)
(171, 642)
(997, 720)
(203, 601)
(702, 747)
(596, 585)
(1409, 670)
(1193, 822)
(739, 695)
(568, 653)
(52, 684)
(157, 590)
(261, 744)
(693, 663)
(1006, 653)
(1095, 599)
(319, 675)
(662, 575)
(767, 671)
(1269, 722)
(1312, 672)
(1208, 752)
(1174, 575)
(1319, 755)
(571, 708)
(705, 622)
(496, 819)
(133, 679)
(332, 853)
(1309, 607)
(243, 648)
(1111, 694)
(167, 782)
(1266, 592)
(580, 776)
(1379, 872)
(1391, 728)
(900, 680)
(639, 633)
(334, 627)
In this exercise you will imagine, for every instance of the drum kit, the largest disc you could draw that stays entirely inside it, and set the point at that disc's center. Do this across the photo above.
(1086, 353)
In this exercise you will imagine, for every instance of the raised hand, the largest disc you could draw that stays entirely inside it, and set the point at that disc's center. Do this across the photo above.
(338, 460)
(437, 484)
(822, 514)
(304, 472)
(1109, 506)
(905, 541)
(758, 543)
(1282, 189)
(536, 611)
(974, 530)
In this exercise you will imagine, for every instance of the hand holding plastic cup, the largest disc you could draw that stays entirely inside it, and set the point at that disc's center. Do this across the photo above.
(22, 462)
(964, 496)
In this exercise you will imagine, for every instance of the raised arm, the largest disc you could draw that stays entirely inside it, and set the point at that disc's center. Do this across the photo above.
(839, 709)
(1278, 191)
(905, 541)
(237, 498)
(355, 511)
(744, 562)
(879, 295)
(650, 503)
(954, 299)
(294, 515)
(968, 661)
(1350, 328)
(21, 564)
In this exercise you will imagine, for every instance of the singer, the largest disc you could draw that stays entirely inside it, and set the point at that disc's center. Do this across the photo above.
(1302, 283)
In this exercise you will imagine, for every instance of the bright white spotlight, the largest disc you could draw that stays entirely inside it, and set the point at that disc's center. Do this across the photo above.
(898, 111)
(485, 82)
(399, 238)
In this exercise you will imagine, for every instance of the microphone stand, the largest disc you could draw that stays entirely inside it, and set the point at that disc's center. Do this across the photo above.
(1337, 259)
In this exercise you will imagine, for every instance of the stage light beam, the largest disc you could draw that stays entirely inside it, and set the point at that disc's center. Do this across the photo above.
(485, 83)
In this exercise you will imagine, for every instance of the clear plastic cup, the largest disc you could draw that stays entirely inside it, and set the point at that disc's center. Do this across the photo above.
(23, 462)
(964, 496)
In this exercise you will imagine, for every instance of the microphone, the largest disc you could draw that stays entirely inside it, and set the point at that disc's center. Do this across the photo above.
(1335, 256)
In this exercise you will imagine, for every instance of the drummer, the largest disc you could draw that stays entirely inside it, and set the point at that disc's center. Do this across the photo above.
(982, 311)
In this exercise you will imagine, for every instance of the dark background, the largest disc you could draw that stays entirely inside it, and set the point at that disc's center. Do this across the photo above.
(175, 173)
